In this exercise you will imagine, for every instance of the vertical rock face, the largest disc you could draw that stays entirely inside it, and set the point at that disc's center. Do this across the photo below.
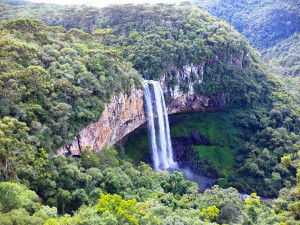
(188, 101)
(126, 112)
(122, 115)
(188, 75)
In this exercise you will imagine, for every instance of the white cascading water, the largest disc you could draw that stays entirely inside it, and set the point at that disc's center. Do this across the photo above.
(159, 130)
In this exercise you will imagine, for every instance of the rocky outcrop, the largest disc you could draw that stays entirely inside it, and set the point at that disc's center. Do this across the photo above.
(188, 101)
(121, 116)
(126, 112)
(194, 103)
(189, 75)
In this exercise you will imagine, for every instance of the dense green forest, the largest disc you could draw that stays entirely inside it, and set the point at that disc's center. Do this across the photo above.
(285, 56)
(59, 65)
(271, 26)
(264, 23)
(284, 60)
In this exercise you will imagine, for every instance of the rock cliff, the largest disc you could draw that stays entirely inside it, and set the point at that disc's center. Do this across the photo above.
(122, 115)
(126, 112)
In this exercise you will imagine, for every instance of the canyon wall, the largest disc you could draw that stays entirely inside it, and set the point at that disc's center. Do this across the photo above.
(126, 112)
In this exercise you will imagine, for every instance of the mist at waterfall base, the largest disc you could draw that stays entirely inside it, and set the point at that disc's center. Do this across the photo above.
(159, 134)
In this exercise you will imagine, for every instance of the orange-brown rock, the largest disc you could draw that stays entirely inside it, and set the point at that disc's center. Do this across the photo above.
(121, 116)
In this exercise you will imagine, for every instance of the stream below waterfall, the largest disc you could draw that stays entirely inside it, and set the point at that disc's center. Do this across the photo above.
(202, 181)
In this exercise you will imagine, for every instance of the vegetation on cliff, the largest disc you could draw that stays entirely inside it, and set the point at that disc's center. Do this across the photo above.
(55, 79)
(161, 39)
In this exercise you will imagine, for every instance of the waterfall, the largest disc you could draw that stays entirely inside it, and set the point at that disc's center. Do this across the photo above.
(158, 126)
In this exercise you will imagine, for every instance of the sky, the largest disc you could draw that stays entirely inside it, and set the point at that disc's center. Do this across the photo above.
(102, 3)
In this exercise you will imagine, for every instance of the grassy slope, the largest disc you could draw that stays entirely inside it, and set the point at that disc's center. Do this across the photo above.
(218, 127)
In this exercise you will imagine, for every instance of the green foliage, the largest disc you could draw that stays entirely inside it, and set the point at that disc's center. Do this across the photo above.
(16, 196)
(108, 157)
(220, 158)
(286, 160)
(89, 159)
(252, 201)
(57, 84)
(63, 199)
(284, 61)
(20, 216)
(210, 213)
(273, 135)
(289, 197)
(271, 26)
(284, 57)
(218, 127)
(137, 141)
(25, 25)
(116, 180)
(55, 80)
(243, 147)
(223, 136)
(141, 201)
(162, 39)
(177, 185)
(122, 209)
(255, 18)
(104, 34)
(16, 151)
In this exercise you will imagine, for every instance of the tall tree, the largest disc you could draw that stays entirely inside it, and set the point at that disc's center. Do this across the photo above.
(16, 152)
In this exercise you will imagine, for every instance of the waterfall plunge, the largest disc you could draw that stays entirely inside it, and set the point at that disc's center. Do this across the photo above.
(159, 131)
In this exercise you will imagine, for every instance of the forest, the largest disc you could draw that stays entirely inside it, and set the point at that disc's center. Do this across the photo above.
(60, 65)
(271, 26)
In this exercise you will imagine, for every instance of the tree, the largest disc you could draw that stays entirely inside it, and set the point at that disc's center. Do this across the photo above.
(176, 184)
(292, 194)
(63, 199)
(79, 34)
(79, 198)
(286, 160)
(26, 25)
(16, 152)
(20, 216)
(252, 204)
(116, 181)
(209, 214)
(37, 81)
(108, 157)
(89, 159)
(104, 34)
(124, 210)
(68, 176)
(16, 196)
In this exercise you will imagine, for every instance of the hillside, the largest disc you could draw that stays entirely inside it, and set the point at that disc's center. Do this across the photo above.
(285, 56)
(56, 74)
(264, 23)
(284, 60)
(270, 26)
